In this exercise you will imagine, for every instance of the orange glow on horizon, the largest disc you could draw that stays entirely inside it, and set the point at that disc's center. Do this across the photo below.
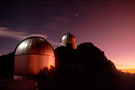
(126, 68)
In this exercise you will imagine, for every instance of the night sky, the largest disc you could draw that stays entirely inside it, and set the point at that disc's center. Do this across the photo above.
(109, 24)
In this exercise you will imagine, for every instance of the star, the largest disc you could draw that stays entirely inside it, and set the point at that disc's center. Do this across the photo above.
(76, 14)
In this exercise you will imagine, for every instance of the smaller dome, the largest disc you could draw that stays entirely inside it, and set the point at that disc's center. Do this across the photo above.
(68, 40)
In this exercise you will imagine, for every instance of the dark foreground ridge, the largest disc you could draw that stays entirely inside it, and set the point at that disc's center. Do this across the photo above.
(84, 68)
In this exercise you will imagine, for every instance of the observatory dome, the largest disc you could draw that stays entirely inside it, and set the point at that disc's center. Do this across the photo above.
(32, 55)
(68, 40)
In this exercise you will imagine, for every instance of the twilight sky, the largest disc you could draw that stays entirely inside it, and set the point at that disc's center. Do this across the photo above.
(109, 24)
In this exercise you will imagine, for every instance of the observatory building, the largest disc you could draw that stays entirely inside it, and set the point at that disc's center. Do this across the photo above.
(68, 40)
(32, 55)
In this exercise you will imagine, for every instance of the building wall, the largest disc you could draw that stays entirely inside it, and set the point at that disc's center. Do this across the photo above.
(32, 64)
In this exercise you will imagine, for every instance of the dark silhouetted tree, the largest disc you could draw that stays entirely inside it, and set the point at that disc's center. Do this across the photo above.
(7, 65)
(93, 60)
(84, 67)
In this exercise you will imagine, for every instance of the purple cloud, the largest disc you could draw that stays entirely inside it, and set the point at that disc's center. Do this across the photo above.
(6, 32)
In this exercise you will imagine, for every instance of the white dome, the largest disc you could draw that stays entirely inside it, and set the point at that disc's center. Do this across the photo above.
(32, 55)
(34, 45)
